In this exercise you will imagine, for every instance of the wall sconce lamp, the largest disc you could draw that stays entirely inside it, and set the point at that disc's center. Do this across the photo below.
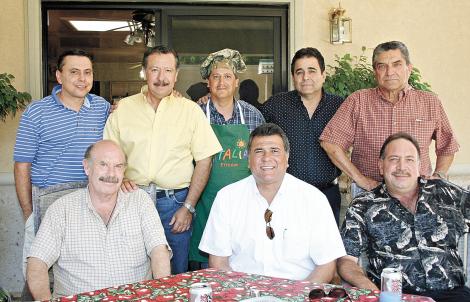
(340, 26)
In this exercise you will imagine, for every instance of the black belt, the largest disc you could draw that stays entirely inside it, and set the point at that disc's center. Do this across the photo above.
(168, 193)
(329, 185)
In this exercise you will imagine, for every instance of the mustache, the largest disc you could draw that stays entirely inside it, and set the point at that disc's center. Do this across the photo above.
(401, 173)
(161, 83)
(109, 179)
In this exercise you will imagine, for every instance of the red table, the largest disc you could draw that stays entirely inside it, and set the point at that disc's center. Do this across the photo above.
(226, 286)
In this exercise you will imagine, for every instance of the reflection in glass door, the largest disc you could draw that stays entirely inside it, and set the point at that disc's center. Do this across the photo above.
(195, 38)
(258, 39)
(258, 32)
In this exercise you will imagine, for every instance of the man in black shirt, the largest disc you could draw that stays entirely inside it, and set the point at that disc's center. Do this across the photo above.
(302, 114)
(408, 222)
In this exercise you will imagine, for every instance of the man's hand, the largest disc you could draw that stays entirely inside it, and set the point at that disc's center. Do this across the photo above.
(181, 221)
(367, 183)
(22, 172)
(203, 99)
(128, 186)
(38, 279)
(177, 94)
(160, 261)
(113, 107)
(437, 175)
(219, 262)
(350, 272)
(340, 159)
(323, 273)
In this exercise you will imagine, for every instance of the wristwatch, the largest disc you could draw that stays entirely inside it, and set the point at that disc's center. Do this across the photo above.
(441, 174)
(190, 207)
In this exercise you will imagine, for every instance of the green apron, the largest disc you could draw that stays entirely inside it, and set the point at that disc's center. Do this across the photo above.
(228, 166)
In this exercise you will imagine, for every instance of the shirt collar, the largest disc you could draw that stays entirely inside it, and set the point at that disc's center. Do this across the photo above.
(402, 94)
(235, 112)
(145, 89)
(299, 98)
(384, 192)
(58, 88)
(119, 202)
(283, 189)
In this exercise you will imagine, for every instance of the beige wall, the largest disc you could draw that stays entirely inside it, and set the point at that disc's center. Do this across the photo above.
(436, 33)
(12, 60)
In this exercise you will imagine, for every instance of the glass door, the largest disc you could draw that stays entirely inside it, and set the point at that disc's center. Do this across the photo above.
(258, 32)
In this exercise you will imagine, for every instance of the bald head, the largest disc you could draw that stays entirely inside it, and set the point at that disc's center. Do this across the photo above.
(104, 164)
(106, 145)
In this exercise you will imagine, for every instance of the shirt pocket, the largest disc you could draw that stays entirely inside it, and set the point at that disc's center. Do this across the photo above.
(421, 130)
(132, 249)
(295, 246)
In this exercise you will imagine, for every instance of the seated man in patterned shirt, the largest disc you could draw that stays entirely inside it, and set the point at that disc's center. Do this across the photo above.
(408, 222)
(98, 236)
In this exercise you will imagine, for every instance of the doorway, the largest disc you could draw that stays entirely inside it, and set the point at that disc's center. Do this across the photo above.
(194, 31)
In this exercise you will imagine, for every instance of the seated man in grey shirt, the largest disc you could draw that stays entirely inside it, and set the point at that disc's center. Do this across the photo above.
(98, 236)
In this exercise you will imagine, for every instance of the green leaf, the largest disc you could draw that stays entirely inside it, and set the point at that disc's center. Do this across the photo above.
(10, 99)
(352, 73)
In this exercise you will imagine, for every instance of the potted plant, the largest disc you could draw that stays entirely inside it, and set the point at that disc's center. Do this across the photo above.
(11, 100)
(352, 73)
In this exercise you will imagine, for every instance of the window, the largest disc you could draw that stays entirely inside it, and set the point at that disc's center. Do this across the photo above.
(258, 32)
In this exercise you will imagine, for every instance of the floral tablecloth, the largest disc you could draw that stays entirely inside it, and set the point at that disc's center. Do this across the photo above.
(226, 286)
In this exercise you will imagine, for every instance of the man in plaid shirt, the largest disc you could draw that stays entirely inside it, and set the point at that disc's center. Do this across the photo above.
(98, 236)
(367, 117)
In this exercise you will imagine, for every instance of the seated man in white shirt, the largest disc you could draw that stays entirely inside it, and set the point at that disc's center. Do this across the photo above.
(98, 236)
(272, 223)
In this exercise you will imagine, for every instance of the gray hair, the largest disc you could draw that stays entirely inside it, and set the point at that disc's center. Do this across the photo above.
(392, 45)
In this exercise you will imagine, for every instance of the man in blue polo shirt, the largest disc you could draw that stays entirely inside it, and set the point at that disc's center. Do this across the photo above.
(52, 137)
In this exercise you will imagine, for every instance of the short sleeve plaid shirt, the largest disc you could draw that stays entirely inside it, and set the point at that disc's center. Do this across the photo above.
(86, 254)
(366, 119)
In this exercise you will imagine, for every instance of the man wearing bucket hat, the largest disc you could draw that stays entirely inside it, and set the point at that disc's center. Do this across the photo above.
(232, 121)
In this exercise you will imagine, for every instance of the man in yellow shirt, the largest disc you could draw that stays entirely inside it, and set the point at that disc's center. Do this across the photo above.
(161, 135)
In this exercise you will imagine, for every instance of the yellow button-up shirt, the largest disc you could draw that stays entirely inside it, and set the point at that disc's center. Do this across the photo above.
(161, 145)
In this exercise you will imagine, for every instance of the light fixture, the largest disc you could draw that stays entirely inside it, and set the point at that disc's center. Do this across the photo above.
(151, 39)
(98, 25)
(142, 28)
(340, 26)
(138, 35)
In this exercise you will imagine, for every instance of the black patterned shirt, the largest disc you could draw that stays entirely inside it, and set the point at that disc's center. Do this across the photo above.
(253, 117)
(423, 245)
(307, 160)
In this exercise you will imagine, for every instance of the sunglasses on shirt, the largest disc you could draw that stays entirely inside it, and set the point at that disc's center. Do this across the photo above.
(267, 218)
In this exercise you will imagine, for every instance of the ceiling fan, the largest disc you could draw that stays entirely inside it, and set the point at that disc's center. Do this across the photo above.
(142, 28)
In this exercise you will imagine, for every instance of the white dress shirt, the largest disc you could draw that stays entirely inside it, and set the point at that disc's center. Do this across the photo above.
(305, 229)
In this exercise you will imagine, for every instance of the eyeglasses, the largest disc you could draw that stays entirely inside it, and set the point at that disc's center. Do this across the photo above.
(317, 293)
(269, 230)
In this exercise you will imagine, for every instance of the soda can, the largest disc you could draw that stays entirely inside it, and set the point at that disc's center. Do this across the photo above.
(200, 292)
(391, 279)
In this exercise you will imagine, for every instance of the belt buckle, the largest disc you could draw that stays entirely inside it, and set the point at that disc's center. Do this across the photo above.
(168, 193)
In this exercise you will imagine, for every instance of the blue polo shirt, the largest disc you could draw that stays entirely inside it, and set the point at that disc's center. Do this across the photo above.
(54, 138)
